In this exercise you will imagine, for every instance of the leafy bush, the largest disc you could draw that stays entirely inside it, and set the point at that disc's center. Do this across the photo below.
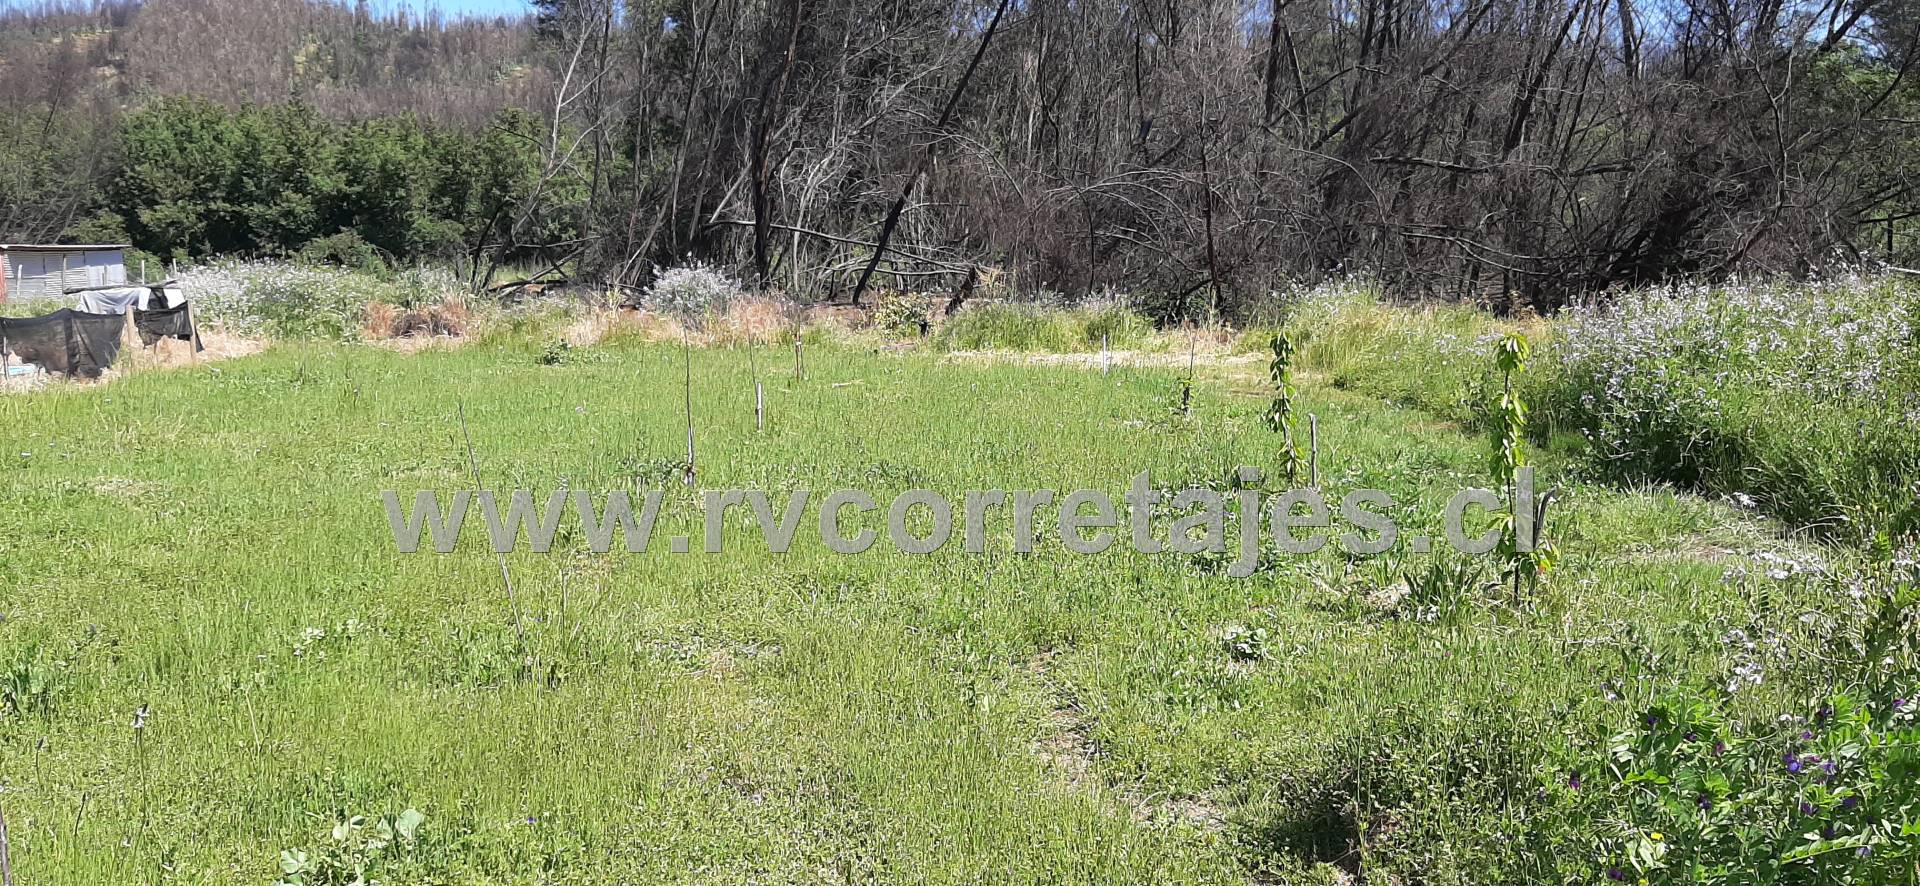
(1805, 397)
(292, 301)
(903, 314)
(30, 685)
(692, 291)
(282, 299)
(1827, 792)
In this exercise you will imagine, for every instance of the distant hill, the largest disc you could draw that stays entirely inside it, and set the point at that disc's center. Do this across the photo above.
(342, 60)
(71, 72)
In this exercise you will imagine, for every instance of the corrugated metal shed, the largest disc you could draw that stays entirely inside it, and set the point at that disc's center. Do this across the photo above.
(34, 271)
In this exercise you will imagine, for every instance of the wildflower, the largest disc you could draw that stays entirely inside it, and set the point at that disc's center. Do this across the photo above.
(1703, 801)
(1616, 874)
(1793, 763)
(1806, 808)
(1573, 780)
(1656, 836)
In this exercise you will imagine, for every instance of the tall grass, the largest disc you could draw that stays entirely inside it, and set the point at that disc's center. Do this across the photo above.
(1804, 399)
(1015, 327)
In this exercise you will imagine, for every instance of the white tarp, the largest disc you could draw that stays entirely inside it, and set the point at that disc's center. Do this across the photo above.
(123, 299)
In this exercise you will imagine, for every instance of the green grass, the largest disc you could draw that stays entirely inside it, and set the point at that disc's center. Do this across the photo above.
(1015, 327)
(209, 543)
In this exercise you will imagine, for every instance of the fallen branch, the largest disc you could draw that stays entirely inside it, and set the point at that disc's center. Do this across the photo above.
(951, 267)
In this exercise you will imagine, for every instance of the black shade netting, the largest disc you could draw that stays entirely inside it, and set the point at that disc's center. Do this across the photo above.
(167, 323)
(69, 342)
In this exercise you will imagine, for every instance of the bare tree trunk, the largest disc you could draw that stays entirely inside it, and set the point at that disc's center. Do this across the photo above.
(926, 159)
(764, 122)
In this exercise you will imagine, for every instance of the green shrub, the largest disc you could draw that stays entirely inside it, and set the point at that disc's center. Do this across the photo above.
(903, 314)
(1804, 398)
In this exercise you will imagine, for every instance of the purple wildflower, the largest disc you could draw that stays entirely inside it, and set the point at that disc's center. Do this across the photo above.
(1573, 779)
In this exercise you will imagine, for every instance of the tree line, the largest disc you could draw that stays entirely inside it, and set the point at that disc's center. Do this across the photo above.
(1196, 152)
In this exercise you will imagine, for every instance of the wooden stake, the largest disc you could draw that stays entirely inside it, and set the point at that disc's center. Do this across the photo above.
(1313, 450)
(686, 352)
(798, 372)
(759, 395)
(1103, 351)
(6, 860)
(129, 337)
(193, 329)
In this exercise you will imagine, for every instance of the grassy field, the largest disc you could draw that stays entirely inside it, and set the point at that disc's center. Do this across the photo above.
(218, 670)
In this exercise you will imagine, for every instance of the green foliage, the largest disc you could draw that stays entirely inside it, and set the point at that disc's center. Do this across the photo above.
(285, 300)
(903, 314)
(1829, 794)
(557, 352)
(1803, 398)
(353, 851)
(30, 685)
(199, 179)
(1279, 414)
(1828, 791)
(1508, 427)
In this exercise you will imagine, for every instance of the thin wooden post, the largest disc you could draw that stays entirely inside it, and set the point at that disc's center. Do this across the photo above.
(6, 859)
(143, 270)
(759, 394)
(799, 372)
(193, 331)
(1313, 450)
(1103, 352)
(129, 337)
(686, 352)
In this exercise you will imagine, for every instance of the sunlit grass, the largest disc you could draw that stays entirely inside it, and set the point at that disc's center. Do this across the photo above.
(209, 543)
